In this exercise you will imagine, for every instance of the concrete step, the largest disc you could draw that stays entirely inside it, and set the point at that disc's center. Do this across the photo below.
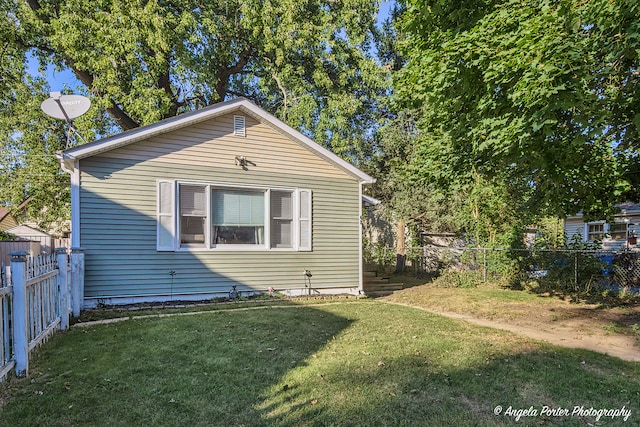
(376, 280)
(382, 287)
(377, 294)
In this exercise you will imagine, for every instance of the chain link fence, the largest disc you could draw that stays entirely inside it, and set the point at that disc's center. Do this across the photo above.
(555, 268)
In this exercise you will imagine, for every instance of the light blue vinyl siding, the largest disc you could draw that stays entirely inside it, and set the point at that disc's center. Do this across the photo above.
(118, 226)
(574, 227)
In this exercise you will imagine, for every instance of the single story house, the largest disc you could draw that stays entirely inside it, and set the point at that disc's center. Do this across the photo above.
(620, 234)
(221, 200)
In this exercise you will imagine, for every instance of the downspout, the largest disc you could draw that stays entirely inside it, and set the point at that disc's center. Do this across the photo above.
(72, 167)
(75, 206)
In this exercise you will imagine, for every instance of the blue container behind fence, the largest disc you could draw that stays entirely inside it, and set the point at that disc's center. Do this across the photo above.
(608, 260)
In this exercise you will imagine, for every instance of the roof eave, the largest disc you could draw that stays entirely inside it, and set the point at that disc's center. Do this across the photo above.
(67, 162)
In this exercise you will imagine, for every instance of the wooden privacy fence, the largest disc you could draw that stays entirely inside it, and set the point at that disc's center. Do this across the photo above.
(8, 247)
(43, 291)
(34, 245)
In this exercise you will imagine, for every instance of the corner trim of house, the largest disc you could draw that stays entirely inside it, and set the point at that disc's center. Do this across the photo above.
(360, 231)
(75, 205)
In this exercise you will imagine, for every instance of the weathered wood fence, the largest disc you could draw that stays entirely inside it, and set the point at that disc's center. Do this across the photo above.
(8, 247)
(34, 245)
(36, 301)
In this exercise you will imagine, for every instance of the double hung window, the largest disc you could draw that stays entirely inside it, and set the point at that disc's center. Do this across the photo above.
(618, 230)
(193, 215)
(281, 219)
(595, 232)
(210, 216)
(602, 230)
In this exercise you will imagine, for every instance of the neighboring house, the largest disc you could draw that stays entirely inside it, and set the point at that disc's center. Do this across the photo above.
(24, 232)
(7, 220)
(227, 197)
(620, 234)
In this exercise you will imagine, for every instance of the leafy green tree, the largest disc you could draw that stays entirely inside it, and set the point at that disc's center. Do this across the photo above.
(29, 168)
(538, 96)
(145, 61)
(308, 63)
(6, 236)
(474, 205)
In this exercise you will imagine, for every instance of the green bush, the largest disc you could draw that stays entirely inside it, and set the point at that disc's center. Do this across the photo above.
(459, 279)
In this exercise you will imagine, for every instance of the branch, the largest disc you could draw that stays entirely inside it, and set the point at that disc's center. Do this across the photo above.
(164, 83)
(224, 74)
(35, 6)
(243, 95)
(118, 114)
(284, 94)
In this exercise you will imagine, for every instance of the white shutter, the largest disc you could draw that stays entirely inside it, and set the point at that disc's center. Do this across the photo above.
(304, 220)
(165, 220)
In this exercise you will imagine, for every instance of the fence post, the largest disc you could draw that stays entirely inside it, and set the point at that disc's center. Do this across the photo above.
(63, 297)
(19, 311)
(575, 267)
(484, 264)
(77, 280)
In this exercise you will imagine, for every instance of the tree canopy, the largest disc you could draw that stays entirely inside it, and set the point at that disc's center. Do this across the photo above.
(144, 61)
(309, 63)
(499, 109)
(540, 96)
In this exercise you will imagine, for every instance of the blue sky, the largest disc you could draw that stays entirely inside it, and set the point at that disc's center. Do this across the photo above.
(59, 80)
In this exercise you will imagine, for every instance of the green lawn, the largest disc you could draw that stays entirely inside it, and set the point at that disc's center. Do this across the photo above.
(360, 363)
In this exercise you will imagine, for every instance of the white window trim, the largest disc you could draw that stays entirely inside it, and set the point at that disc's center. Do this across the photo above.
(609, 231)
(605, 230)
(265, 247)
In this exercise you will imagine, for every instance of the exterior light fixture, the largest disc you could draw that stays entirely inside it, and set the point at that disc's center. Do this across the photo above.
(243, 162)
(307, 279)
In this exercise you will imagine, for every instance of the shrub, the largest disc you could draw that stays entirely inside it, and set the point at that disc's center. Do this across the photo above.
(459, 279)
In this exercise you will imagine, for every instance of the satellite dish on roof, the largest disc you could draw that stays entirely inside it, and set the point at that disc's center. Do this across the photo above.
(66, 107)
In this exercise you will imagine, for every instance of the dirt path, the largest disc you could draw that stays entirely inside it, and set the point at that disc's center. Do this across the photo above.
(612, 331)
(624, 347)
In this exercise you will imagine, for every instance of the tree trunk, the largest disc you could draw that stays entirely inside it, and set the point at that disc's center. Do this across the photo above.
(401, 256)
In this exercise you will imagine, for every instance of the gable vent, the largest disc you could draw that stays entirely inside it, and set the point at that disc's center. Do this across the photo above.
(239, 128)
